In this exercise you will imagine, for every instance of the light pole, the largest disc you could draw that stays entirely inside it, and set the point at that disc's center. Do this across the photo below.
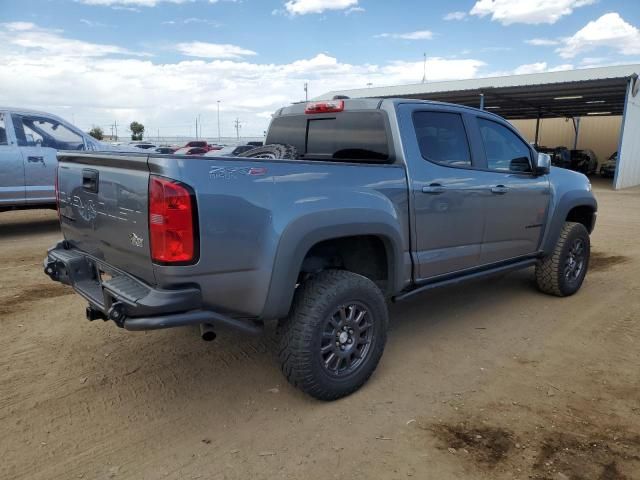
(424, 69)
(306, 92)
(237, 127)
(218, 121)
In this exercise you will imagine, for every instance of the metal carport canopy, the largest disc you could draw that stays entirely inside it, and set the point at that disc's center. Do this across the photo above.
(570, 93)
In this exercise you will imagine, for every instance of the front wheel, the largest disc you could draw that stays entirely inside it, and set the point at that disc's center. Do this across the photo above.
(335, 334)
(563, 272)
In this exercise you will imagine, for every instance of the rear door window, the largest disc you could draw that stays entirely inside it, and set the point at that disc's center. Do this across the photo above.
(442, 138)
(348, 136)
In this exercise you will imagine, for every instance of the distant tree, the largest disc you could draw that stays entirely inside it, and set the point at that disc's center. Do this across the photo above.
(137, 130)
(97, 133)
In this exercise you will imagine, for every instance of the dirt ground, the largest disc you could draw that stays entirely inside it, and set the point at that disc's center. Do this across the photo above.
(491, 380)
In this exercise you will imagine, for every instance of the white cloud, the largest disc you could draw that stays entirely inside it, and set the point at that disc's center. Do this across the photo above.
(542, 42)
(610, 30)
(100, 88)
(213, 50)
(92, 23)
(130, 3)
(18, 26)
(562, 68)
(192, 20)
(126, 9)
(526, 11)
(354, 10)
(437, 69)
(455, 16)
(303, 7)
(417, 35)
(28, 36)
(531, 68)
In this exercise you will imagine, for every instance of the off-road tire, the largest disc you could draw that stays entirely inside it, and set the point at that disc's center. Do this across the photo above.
(550, 271)
(304, 330)
(272, 151)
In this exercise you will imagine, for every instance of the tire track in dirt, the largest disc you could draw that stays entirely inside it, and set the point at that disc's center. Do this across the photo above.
(32, 294)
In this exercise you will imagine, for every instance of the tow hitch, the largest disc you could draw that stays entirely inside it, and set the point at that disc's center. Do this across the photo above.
(95, 314)
(52, 271)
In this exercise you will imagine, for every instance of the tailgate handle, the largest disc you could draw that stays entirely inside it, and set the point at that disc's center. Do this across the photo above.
(34, 159)
(90, 180)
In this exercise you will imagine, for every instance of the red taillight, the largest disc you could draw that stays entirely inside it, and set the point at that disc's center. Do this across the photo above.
(325, 107)
(171, 222)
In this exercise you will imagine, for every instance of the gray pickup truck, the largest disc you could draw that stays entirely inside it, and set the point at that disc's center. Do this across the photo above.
(350, 204)
(29, 141)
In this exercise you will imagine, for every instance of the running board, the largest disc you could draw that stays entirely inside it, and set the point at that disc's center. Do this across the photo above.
(464, 278)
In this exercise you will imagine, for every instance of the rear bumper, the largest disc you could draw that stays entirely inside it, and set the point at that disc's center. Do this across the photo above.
(131, 303)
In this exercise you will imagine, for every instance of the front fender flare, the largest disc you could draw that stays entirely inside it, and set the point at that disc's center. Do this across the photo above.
(567, 202)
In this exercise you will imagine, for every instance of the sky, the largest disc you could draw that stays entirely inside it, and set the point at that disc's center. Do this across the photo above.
(165, 62)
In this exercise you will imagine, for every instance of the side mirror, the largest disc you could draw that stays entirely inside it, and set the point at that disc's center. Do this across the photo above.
(543, 163)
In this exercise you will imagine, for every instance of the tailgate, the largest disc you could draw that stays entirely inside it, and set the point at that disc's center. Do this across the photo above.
(103, 208)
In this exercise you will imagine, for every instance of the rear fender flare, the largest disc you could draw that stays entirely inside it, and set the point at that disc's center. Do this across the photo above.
(301, 235)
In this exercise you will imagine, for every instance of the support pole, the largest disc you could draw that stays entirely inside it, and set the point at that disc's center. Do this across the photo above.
(482, 101)
(537, 129)
(576, 127)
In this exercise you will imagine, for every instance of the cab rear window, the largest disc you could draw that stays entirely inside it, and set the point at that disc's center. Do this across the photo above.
(348, 136)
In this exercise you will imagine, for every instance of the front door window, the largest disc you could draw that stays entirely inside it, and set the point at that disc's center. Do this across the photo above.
(46, 132)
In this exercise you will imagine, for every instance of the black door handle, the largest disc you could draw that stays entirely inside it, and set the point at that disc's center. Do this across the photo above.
(499, 189)
(35, 159)
(434, 189)
(90, 180)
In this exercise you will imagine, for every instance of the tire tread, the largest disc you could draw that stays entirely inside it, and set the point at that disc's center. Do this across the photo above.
(312, 298)
(549, 270)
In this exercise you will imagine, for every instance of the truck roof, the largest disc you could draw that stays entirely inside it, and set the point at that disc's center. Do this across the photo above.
(373, 103)
(29, 111)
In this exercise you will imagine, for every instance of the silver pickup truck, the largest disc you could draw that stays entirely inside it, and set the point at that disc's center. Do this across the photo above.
(29, 141)
(349, 205)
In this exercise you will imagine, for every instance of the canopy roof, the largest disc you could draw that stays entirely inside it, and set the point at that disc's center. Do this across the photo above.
(571, 93)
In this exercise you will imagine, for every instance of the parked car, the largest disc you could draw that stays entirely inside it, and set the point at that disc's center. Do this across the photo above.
(584, 161)
(608, 168)
(165, 150)
(560, 156)
(198, 144)
(352, 203)
(143, 145)
(29, 140)
(230, 151)
(191, 151)
(255, 144)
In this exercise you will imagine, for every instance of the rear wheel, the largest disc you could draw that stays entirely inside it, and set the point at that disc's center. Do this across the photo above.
(563, 272)
(334, 336)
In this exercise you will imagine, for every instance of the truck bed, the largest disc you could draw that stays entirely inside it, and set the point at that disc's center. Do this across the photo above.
(250, 213)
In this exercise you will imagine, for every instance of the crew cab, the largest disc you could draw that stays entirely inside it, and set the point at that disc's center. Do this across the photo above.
(350, 204)
(29, 141)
